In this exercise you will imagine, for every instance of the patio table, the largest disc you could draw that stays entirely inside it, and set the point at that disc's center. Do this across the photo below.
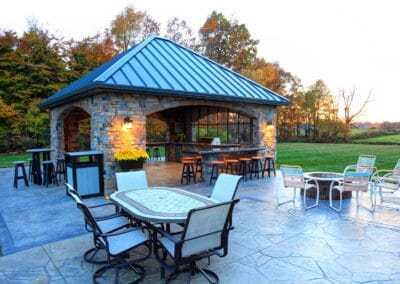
(36, 171)
(160, 204)
(324, 180)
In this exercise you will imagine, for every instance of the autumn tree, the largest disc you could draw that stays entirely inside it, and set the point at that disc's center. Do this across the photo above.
(179, 32)
(227, 42)
(131, 27)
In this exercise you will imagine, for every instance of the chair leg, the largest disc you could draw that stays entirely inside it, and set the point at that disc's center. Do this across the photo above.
(305, 199)
(331, 201)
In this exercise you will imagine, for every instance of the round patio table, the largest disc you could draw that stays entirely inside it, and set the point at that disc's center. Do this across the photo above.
(324, 180)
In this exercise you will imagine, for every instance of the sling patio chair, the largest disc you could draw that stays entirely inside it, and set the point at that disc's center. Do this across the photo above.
(366, 163)
(387, 184)
(225, 187)
(353, 180)
(293, 177)
(131, 180)
(117, 243)
(205, 234)
(107, 223)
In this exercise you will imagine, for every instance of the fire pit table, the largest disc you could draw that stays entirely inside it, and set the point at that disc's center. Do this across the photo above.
(324, 180)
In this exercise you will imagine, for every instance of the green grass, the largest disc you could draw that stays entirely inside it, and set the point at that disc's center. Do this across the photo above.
(380, 139)
(334, 157)
(356, 131)
(6, 161)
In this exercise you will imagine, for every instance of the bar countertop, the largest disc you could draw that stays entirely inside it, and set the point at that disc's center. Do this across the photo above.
(222, 150)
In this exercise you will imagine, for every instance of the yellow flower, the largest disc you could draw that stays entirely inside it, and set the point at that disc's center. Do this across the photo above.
(130, 154)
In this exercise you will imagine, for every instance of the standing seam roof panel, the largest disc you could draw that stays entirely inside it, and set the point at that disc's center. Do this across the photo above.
(190, 80)
(174, 84)
(220, 88)
(152, 72)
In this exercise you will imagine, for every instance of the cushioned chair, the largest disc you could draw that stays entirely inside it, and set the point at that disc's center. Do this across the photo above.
(131, 180)
(109, 220)
(118, 243)
(353, 180)
(206, 233)
(387, 184)
(293, 177)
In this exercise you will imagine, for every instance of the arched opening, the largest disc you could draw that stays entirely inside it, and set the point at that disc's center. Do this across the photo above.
(77, 130)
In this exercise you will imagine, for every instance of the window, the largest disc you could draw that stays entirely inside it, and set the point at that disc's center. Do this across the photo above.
(230, 127)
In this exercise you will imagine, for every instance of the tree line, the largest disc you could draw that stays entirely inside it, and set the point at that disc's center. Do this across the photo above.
(37, 64)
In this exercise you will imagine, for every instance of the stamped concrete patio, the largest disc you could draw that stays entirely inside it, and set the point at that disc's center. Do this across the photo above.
(43, 238)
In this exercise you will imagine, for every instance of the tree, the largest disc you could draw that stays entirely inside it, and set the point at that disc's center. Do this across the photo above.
(348, 101)
(179, 32)
(227, 42)
(132, 26)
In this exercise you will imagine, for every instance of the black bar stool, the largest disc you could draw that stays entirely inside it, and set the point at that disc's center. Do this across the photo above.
(60, 168)
(49, 174)
(245, 167)
(21, 165)
(216, 167)
(199, 165)
(232, 164)
(269, 164)
(188, 170)
(30, 172)
(256, 166)
(156, 153)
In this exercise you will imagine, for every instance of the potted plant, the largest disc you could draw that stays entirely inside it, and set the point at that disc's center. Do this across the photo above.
(130, 158)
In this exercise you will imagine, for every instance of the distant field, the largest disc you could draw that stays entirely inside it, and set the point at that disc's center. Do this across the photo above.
(334, 157)
(7, 161)
(359, 131)
(380, 139)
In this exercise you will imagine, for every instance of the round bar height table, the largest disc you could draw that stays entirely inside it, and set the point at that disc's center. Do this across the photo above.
(324, 180)
(36, 169)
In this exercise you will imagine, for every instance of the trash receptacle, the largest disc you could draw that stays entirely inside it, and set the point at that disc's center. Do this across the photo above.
(84, 171)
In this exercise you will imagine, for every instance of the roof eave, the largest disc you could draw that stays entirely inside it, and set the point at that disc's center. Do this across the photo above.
(98, 88)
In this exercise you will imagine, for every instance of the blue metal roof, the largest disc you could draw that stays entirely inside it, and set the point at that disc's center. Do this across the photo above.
(161, 66)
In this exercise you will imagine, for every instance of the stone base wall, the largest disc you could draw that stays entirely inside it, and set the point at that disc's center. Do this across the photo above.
(108, 110)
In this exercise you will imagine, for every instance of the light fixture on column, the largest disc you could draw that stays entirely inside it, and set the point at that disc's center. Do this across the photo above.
(127, 123)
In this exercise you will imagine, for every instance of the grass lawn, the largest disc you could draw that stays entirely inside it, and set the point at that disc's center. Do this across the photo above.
(334, 157)
(6, 161)
(380, 139)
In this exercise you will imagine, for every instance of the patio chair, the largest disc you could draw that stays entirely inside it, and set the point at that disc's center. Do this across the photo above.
(387, 182)
(107, 223)
(131, 180)
(353, 180)
(293, 177)
(225, 187)
(205, 234)
(117, 244)
(366, 163)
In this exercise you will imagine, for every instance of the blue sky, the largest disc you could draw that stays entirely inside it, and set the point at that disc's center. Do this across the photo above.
(346, 43)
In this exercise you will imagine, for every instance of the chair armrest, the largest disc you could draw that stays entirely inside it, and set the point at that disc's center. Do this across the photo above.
(121, 232)
(105, 204)
(349, 167)
(169, 236)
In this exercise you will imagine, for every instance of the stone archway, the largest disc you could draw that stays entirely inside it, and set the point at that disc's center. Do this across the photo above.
(76, 130)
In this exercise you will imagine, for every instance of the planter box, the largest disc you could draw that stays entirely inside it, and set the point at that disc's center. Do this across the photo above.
(127, 165)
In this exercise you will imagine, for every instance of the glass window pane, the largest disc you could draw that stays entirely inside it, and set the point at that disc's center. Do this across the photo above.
(233, 133)
(212, 131)
(202, 131)
(212, 115)
(223, 133)
(243, 119)
(222, 117)
(194, 132)
(233, 117)
(203, 115)
(244, 133)
(194, 115)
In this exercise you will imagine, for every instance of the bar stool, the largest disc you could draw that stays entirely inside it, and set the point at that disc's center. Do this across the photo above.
(230, 163)
(256, 166)
(49, 175)
(30, 173)
(245, 167)
(199, 164)
(17, 165)
(156, 153)
(216, 166)
(188, 170)
(270, 160)
(60, 168)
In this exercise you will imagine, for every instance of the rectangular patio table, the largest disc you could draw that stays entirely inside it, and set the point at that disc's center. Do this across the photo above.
(160, 204)
(36, 171)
